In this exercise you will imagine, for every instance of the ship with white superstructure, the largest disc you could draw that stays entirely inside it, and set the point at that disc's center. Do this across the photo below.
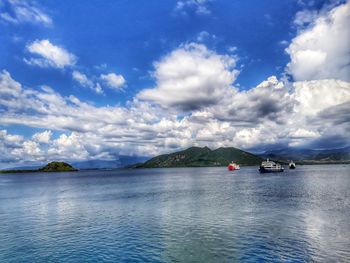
(270, 167)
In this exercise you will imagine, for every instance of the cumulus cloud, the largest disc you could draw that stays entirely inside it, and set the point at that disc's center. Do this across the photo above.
(49, 55)
(266, 115)
(114, 81)
(14, 148)
(29, 148)
(47, 109)
(336, 115)
(191, 77)
(69, 145)
(200, 7)
(318, 95)
(270, 100)
(20, 11)
(321, 50)
(42, 137)
(10, 141)
(84, 81)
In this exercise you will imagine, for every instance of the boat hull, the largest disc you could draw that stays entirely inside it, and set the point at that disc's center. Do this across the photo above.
(232, 168)
(270, 170)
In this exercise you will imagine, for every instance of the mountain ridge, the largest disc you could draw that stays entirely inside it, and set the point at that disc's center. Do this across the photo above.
(310, 156)
(202, 157)
(122, 162)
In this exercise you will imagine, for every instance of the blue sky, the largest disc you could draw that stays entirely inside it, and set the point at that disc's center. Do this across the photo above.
(116, 55)
(130, 35)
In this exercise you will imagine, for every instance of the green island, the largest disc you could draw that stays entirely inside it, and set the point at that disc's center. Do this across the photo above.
(50, 167)
(202, 157)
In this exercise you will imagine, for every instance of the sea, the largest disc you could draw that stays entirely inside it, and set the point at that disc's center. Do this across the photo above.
(177, 215)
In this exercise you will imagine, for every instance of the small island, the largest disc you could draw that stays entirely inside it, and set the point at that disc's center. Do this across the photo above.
(50, 167)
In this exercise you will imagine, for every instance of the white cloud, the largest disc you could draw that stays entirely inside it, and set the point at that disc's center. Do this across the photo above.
(248, 137)
(315, 96)
(302, 133)
(305, 17)
(200, 7)
(268, 101)
(10, 140)
(71, 145)
(322, 50)
(203, 35)
(98, 88)
(24, 12)
(49, 55)
(30, 148)
(84, 81)
(232, 49)
(192, 77)
(8, 86)
(42, 137)
(27, 150)
(114, 81)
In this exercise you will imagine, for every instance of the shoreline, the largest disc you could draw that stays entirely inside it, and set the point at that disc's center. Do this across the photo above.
(34, 171)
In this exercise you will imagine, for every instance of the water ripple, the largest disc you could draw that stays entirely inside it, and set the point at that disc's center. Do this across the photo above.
(176, 215)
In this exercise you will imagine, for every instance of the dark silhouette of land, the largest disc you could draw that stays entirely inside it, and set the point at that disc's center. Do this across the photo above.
(50, 167)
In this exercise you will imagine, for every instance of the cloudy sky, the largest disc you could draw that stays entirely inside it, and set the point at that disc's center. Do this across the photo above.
(97, 79)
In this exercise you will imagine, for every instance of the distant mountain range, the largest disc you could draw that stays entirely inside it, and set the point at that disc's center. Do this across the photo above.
(201, 157)
(340, 155)
(123, 161)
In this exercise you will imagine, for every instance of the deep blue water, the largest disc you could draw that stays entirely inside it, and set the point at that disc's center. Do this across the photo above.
(177, 215)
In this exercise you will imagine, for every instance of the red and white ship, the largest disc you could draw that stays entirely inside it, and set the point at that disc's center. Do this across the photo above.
(233, 166)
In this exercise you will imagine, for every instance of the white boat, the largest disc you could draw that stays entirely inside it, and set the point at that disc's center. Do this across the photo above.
(270, 167)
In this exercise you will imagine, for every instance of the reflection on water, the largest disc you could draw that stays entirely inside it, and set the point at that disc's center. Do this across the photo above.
(176, 215)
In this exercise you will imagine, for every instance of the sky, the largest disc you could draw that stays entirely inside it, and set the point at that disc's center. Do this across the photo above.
(98, 79)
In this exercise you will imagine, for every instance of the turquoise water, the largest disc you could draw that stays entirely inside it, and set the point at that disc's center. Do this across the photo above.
(177, 215)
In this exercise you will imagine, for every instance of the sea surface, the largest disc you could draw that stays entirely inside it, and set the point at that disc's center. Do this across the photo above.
(177, 215)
